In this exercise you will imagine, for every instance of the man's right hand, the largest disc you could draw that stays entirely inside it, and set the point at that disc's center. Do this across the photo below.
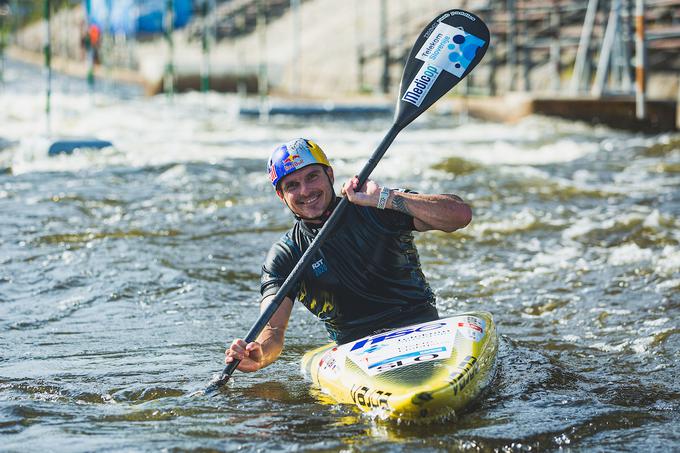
(250, 355)
(258, 354)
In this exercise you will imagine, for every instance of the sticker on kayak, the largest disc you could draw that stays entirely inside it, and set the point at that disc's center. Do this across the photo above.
(328, 364)
(403, 347)
(471, 327)
(450, 48)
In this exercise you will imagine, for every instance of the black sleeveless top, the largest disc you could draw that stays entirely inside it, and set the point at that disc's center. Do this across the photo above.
(365, 277)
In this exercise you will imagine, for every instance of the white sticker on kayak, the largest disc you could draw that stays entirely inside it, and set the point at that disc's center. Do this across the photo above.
(471, 327)
(403, 347)
(450, 48)
(328, 364)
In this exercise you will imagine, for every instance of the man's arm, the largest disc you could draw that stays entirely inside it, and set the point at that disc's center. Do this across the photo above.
(269, 344)
(443, 212)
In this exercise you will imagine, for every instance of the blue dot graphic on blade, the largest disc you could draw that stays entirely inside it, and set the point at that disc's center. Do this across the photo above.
(462, 49)
(454, 57)
(469, 52)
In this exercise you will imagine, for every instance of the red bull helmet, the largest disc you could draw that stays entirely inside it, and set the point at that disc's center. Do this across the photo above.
(293, 156)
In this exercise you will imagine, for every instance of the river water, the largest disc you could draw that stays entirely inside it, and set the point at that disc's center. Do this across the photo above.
(125, 272)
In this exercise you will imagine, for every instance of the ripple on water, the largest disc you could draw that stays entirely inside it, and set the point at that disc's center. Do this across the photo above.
(89, 236)
(125, 273)
(65, 307)
(144, 394)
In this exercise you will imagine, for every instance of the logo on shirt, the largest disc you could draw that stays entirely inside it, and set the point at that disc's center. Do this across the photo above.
(319, 267)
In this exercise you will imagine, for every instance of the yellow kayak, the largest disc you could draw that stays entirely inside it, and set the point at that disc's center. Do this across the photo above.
(419, 373)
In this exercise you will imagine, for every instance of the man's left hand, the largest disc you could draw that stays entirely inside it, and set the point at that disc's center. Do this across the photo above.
(367, 195)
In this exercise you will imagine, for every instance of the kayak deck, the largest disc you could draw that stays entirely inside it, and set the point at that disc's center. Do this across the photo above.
(418, 373)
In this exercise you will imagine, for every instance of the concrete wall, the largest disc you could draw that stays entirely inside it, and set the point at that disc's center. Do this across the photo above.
(329, 37)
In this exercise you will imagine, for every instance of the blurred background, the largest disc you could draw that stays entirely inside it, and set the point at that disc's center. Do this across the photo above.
(135, 213)
(624, 53)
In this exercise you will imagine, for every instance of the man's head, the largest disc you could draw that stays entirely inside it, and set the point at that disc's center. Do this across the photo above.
(303, 178)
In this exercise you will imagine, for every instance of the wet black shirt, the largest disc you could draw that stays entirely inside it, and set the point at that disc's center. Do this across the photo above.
(365, 277)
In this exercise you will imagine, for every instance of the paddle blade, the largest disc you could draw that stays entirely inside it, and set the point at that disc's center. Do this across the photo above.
(444, 53)
(213, 389)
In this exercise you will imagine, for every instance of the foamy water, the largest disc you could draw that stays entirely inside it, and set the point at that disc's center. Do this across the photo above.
(126, 271)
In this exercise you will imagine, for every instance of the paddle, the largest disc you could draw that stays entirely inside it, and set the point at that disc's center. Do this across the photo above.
(445, 52)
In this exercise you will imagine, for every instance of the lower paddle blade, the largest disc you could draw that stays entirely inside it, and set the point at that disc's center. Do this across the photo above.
(211, 390)
(215, 386)
(444, 53)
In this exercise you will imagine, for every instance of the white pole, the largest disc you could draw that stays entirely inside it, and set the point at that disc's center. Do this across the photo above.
(384, 49)
(511, 57)
(624, 56)
(359, 36)
(47, 48)
(262, 76)
(640, 76)
(206, 13)
(555, 56)
(604, 62)
(583, 46)
(297, 30)
(168, 29)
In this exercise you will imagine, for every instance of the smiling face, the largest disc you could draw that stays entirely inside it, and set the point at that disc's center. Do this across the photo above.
(308, 192)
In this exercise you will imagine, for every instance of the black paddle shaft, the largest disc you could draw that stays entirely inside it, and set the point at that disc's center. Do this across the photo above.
(307, 257)
(444, 53)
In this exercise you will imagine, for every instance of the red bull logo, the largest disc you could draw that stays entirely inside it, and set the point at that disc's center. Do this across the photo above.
(291, 158)
(292, 161)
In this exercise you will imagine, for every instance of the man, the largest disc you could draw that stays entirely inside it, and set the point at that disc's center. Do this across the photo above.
(367, 275)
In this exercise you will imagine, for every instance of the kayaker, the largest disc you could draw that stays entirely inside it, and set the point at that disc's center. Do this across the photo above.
(367, 275)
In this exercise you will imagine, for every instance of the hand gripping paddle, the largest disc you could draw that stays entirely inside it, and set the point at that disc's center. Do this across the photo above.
(444, 53)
